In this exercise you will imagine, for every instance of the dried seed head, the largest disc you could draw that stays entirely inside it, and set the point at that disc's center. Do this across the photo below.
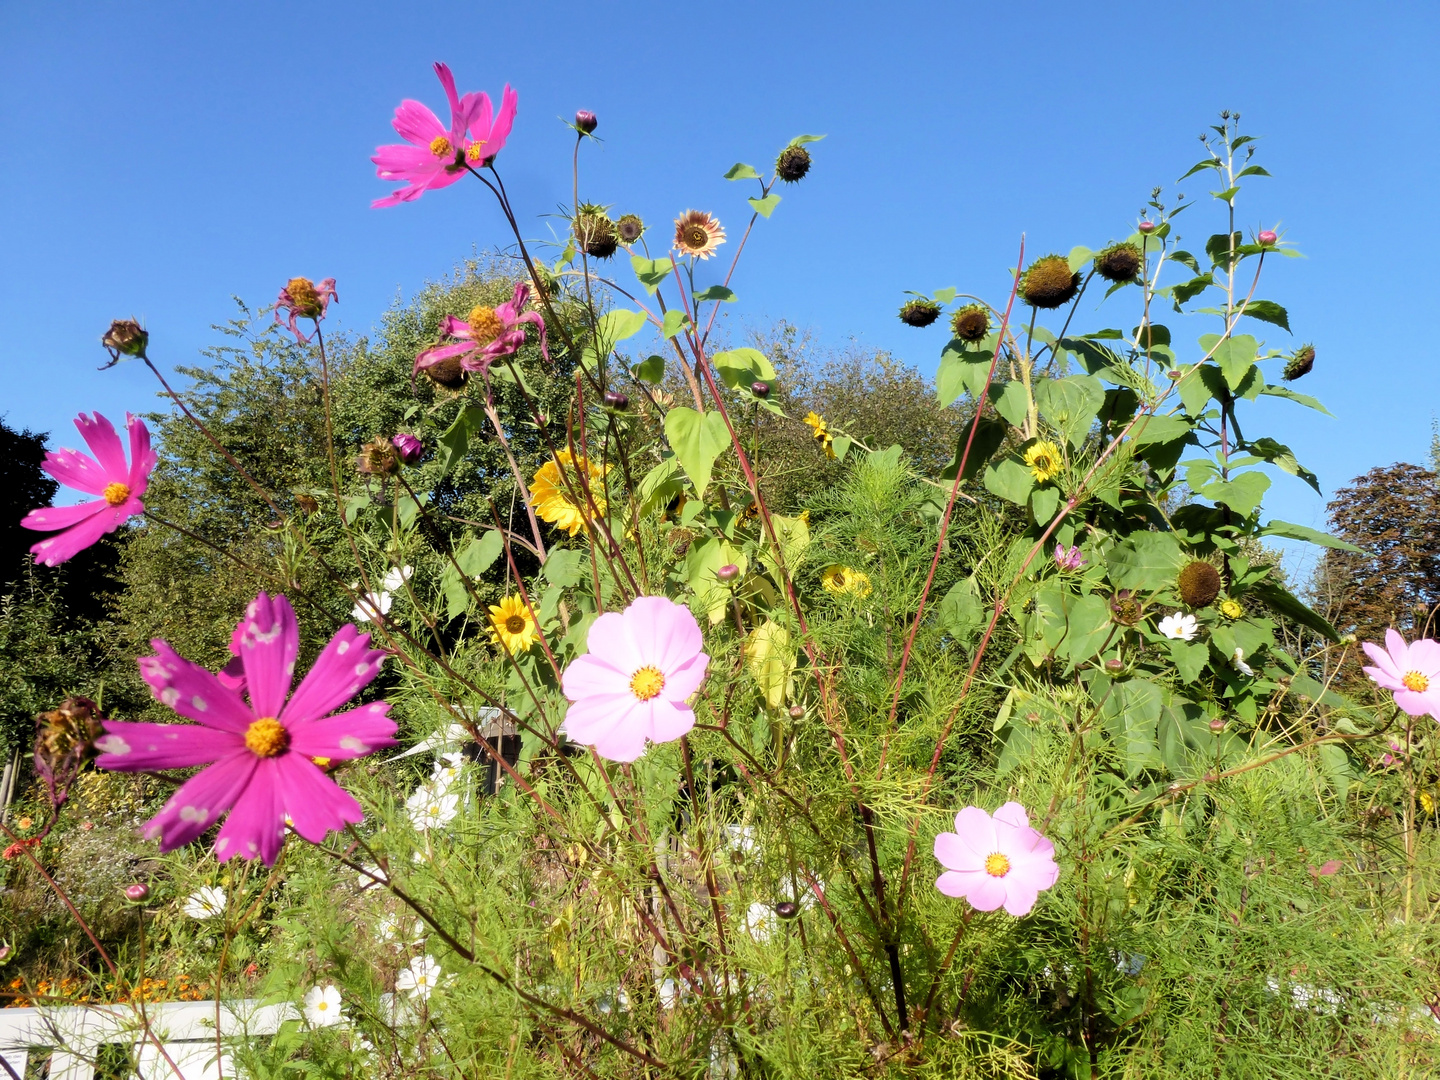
(971, 323)
(1119, 262)
(1198, 584)
(1049, 283)
(792, 164)
(920, 312)
(1299, 364)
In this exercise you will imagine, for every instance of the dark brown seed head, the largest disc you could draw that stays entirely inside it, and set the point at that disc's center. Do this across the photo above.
(971, 323)
(1119, 262)
(1199, 584)
(1049, 283)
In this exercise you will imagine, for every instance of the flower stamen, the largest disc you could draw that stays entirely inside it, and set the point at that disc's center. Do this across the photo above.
(647, 683)
(440, 146)
(116, 493)
(267, 737)
(485, 325)
(997, 865)
(1415, 681)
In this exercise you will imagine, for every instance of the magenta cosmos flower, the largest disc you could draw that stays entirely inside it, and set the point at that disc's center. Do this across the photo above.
(261, 756)
(434, 156)
(632, 684)
(1068, 558)
(106, 474)
(997, 860)
(1412, 672)
(301, 298)
(485, 336)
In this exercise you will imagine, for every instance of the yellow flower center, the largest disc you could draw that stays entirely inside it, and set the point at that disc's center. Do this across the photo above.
(647, 682)
(485, 325)
(997, 865)
(116, 493)
(440, 146)
(267, 737)
(303, 297)
(1413, 680)
(515, 624)
(475, 153)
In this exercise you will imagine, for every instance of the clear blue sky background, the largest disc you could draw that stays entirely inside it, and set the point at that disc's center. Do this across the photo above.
(157, 158)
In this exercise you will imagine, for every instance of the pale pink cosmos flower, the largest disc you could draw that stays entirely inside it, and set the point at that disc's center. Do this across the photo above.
(434, 156)
(490, 334)
(106, 474)
(259, 754)
(632, 684)
(997, 860)
(301, 298)
(1411, 671)
(1068, 558)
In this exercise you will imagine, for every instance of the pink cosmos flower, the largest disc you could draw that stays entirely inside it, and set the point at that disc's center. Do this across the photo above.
(261, 756)
(434, 156)
(106, 475)
(997, 860)
(303, 299)
(490, 333)
(632, 684)
(1411, 671)
(1068, 558)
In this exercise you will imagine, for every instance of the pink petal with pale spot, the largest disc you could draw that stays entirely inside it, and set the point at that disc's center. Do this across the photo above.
(256, 825)
(200, 801)
(192, 691)
(316, 804)
(269, 643)
(346, 665)
(348, 735)
(131, 747)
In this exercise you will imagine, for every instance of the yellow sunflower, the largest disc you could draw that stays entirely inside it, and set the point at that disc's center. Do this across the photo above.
(821, 433)
(512, 625)
(550, 491)
(1044, 461)
(841, 580)
(698, 233)
(1231, 609)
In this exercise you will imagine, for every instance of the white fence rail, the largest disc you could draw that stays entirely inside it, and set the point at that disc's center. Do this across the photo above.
(72, 1037)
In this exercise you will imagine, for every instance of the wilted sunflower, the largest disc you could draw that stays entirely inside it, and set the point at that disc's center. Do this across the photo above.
(551, 497)
(1199, 584)
(1299, 364)
(698, 233)
(512, 625)
(841, 580)
(971, 323)
(821, 433)
(1119, 262)
(630, 228)
(1044, 461)
(595, 232)
(1049, 282)
(919, 312)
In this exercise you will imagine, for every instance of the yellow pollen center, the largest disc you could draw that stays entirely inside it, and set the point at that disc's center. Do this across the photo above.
(647, 682)
(474, 153)
(515, 624)
(267, 737)
(116, 493)
(1413, 680)
(485, 325)
(997, 865)
(440, 146)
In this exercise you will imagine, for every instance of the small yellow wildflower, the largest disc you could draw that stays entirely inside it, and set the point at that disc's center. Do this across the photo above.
(1044, 461)
(551, 491)
(840, 580)
(512, 625)
(822, 433)
(1231, 609)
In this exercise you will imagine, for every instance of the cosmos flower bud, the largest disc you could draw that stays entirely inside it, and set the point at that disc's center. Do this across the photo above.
(797, 712)
(377, 458)
(4, 952)
(787, 909)
(408, 448)
(126, 337)
(616, 400)
(920, 312)
(586, 121)
(1267, 237)
(1113, 666)
(792, 164)
(760, 389)
(1217, 725)
(137, 893)
(728, 572)
(1146, 227)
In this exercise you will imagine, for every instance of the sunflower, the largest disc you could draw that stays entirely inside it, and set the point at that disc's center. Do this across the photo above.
(1231, 609)
(822, 433)
(1044, 461)
(839, 580)
(698, 233)
(550, 492)
(512, 625)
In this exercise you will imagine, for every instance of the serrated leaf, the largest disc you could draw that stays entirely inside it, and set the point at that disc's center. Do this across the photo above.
(766, 206)
(1145, 561)
(987, 440)
(1160, 429)
(715, 292)
(1241, 493)
(1070, 404)
(1234, 356)
(480, 554)
(1010, 480)
(1184, 258)
(1291, 531)
(1188, 290)
(1218, 247)
(1282, 457)
(741, 171)
(1280, 600)
(564, 567)
(1302, 399)
(1010, 401)
(1268, 311)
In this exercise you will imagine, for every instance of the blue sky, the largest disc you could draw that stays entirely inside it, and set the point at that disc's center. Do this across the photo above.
(157, 158)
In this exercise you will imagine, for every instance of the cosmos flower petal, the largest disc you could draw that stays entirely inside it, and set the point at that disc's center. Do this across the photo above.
(192, 691)
(200, 801)
(590, 718)
(344, 667)
(976, 830)
(77, 470)
(50, 518)
(953, 854)
(142, 459)
(132, 747)
(315, 804)
(99, 435)
(269, 644)
(610, 642)
(685, 679)
(1019, 899)
(664, 632)
(668, 720)
(256, 825)
(54, 550)
(960, 883)
(504, 122)
(346, 735)
(417, 124)
(1012, 813)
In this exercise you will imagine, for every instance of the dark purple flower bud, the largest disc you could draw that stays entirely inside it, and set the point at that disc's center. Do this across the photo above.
(408, 448)
(797, 712)
(760, 389)
(728, 572)
(137, 893)
(1147, 227)
(1113, 666)
(787, 909)
(616, 400)
(585, 120)
(1267, 237)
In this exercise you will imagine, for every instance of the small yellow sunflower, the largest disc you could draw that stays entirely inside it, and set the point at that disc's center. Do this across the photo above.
(698, 233)
(512, 625)
(1044, 461)
(1231, 609)
(1427, 802)
(550, 491)
(821, 433)
(842, 580)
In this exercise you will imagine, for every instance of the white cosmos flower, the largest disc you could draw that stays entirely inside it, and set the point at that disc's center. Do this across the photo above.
(371, 875)
(392, 927)
(396, 577)
(1179, 627)
(760, 921)
(446, 771)
(430, 808)
(1239, 661)
(420, 978)
(207, 902)
(371, 606)
(322, 1006)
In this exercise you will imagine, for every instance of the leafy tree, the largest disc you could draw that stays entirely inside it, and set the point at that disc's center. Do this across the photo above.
(23, 487)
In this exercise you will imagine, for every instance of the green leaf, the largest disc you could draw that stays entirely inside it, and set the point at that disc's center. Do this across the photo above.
(1228, 194)
(1044, 501)
(702, 563)
(1189, 659)
(1234, 356)
(1131, 715)
(617, 325)
(480, 554)
(960, 611)
(1145, 561)
(675, 321)
(1010, 401)
(1188, 290)
(715, 292)
(406, 509)
(1184, 258)
(1282, 457)
(1010, 480)
(766, 206)
(1302, 399)
(1078, 257)
(697, 439)
(1201, 166)
(801, 140)
(455, 439)
(741, 171)
(1281, 601)
(1154, 334)
(771, 660)
(1291, 531)
(741, 367)
(987, 441)
(961, 370)
(1268, 311)
(1251, 170)
(1160, 429)
(651, 369)
(1197, 387)
(1218, 248)
(1071, 404)
(946, 295)
(564, 567)
(1182, 730)
(1241, 493)
(1338, 768)
(651, 272)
